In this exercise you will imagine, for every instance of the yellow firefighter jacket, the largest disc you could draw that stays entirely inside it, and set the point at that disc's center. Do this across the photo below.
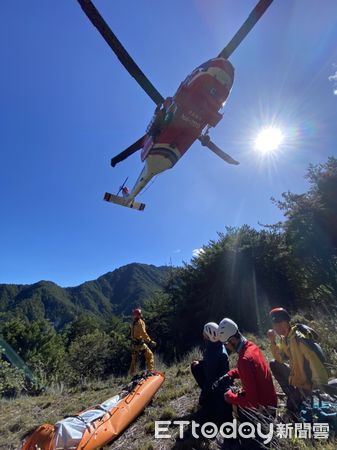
(138, 332)
(307, 369)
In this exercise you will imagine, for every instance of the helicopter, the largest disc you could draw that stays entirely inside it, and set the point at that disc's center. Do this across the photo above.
(180, 120)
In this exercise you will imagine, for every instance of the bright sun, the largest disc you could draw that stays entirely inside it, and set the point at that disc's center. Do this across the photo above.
(268, 140)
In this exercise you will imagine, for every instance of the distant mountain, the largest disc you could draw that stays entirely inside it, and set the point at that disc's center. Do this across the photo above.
(115, 292)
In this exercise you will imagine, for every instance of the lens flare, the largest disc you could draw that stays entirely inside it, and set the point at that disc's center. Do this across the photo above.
(269, 140)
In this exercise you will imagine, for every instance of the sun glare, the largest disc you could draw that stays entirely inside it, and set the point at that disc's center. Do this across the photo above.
(268, 140)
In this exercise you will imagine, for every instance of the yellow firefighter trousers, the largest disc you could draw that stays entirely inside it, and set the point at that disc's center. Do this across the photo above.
(149, 359)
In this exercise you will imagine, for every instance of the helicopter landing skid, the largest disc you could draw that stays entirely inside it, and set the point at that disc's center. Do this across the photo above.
(123, 202)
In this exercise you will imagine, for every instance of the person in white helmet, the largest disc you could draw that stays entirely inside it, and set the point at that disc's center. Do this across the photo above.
(252, 369)
(213, 365)
(257, 398)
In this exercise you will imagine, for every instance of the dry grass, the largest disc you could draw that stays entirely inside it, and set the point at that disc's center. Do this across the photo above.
(176, 400)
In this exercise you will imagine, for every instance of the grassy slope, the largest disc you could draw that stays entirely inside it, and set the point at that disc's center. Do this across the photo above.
(176, 400)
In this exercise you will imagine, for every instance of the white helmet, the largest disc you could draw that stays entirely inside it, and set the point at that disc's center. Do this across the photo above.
(211, 331)
(227, 329)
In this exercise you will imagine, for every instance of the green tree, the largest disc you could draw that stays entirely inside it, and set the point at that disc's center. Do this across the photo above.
(240, 275)
(84, 324)
(311, 233)
(88, 356)
(39, 346)
(12, 380)
(160, 315)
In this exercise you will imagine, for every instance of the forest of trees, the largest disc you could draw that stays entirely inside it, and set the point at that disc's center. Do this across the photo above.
(241, 275)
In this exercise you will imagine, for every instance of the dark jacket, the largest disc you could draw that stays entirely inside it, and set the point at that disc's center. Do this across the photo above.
(215, 362)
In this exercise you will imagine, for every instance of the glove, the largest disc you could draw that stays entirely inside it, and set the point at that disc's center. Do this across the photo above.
(226, 396)
(222, 384)
(271, 335)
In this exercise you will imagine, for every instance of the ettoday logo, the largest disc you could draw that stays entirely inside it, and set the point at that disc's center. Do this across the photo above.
(208, 430)
(246, 430)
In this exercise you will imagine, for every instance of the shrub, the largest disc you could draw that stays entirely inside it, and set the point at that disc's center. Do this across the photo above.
(12, 380)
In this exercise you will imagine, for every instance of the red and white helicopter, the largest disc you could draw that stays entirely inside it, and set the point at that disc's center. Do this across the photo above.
(180, 120)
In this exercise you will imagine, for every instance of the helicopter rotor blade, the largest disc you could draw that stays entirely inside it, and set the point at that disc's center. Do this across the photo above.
(206, 142)
(121, 187)
(111, 39)
(245, 28)
(128, 151)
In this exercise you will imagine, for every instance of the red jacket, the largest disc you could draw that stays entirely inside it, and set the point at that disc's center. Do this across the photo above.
(257, 384)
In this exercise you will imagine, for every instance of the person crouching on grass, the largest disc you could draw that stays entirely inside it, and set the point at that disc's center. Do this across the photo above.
(206, 371)
(257, 399)
(297, 345)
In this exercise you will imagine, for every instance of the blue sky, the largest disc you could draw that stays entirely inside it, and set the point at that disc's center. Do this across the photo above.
(67, 106)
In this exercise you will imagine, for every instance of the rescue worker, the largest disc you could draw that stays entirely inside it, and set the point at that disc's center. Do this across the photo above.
(140, 341)
(161, 118)
(206, 371)
(306, 370)
(252, 369)
(256, 401)
(125, 191)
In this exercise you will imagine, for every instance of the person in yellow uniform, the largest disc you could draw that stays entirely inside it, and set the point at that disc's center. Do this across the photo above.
(140, 343)
(296, 344)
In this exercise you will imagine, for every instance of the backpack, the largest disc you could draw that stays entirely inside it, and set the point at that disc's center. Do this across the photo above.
(320, 411)
(308, 337)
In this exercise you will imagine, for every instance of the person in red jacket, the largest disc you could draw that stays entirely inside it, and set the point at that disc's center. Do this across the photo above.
(252, 369)
(257, 399)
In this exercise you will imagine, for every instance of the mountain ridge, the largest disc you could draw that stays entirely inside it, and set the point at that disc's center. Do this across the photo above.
(115, 292)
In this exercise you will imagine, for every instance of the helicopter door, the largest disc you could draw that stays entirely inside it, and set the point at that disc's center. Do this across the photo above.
(148, 144)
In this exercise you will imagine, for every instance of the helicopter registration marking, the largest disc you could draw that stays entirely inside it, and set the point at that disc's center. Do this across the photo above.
(191, 121)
